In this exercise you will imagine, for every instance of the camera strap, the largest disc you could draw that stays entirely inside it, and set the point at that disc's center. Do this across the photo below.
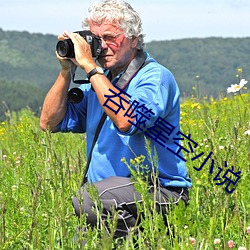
(136, 64)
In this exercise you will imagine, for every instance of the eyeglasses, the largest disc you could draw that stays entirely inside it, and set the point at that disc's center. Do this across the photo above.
(110, 38)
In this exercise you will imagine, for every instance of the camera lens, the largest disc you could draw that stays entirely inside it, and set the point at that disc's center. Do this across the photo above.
(65, 48)
(75, 95)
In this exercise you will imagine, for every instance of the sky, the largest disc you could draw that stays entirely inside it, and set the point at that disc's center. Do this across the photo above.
(162, 19)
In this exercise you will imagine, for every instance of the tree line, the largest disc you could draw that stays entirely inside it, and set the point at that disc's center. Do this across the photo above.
(204, 67)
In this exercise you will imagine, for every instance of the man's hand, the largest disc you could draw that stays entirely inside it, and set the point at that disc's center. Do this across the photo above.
(66, 63)
(83, 54)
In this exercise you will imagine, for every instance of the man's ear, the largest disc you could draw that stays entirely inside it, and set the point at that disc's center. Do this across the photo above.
(134, 42)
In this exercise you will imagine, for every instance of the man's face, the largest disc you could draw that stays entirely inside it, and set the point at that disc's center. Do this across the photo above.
(118, 50)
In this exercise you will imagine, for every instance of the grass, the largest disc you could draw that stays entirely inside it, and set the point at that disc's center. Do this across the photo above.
(40, 172)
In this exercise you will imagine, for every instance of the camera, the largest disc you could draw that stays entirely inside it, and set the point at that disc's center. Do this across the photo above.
(65, 48)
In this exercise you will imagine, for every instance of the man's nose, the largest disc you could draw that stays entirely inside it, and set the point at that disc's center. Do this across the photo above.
(104, 44)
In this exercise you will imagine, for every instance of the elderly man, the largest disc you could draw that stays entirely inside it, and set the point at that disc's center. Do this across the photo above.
(140, 99)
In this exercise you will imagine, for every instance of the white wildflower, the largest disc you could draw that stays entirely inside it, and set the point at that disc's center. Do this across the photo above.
(217, 241)
(242, 248)
(237, 87)
(246, 133)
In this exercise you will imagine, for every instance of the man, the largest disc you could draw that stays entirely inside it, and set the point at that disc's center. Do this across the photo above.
(146, 102)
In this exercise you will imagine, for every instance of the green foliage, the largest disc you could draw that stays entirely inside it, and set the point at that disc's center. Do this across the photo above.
(26, 57)
(14, 95)
(40, 172)
(35, 208)
(208, 64)
(28, 68)
(211, 59)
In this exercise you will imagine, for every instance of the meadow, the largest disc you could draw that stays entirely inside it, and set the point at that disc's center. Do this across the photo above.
(40, 172)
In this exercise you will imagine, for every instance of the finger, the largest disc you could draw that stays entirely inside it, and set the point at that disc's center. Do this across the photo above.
(75, 37)
(62, 36)
(69, 60)
(66, 33)
(59, 57)
(70, 35)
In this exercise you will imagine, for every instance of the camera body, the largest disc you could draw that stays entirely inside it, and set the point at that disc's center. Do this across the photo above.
(65, 48)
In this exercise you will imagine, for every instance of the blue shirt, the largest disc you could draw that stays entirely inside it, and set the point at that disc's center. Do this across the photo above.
(155, 89)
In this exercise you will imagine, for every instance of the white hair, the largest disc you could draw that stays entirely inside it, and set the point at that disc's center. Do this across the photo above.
(120, 13)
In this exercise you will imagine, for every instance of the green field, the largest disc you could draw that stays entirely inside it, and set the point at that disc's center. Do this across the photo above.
(40, 172)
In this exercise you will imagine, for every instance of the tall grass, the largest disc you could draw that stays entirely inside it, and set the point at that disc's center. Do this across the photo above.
(40, 172)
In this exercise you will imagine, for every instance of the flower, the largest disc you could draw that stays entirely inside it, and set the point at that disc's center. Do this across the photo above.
(242, 248)
(240, 70)
(216, 241)
(45, 216)
(230, 244)
(22, 209)
(248, 230)
(192, 240)
(14, 188)
(237, 87)
(247, 132)
(221, 147)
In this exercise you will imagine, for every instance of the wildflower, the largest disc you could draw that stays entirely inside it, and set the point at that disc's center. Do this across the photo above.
(183, 113)
(246, 133)
(237, 87)
(195, 105)
(221, 147)
(14, 188)
(216, 241)
(132, 162)
(198, 182)
(192, 240)
(45, 216)
(137, 159)
(240, 70)
(22, 210)
(248, 230)
(242, 248)
(230, 244)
